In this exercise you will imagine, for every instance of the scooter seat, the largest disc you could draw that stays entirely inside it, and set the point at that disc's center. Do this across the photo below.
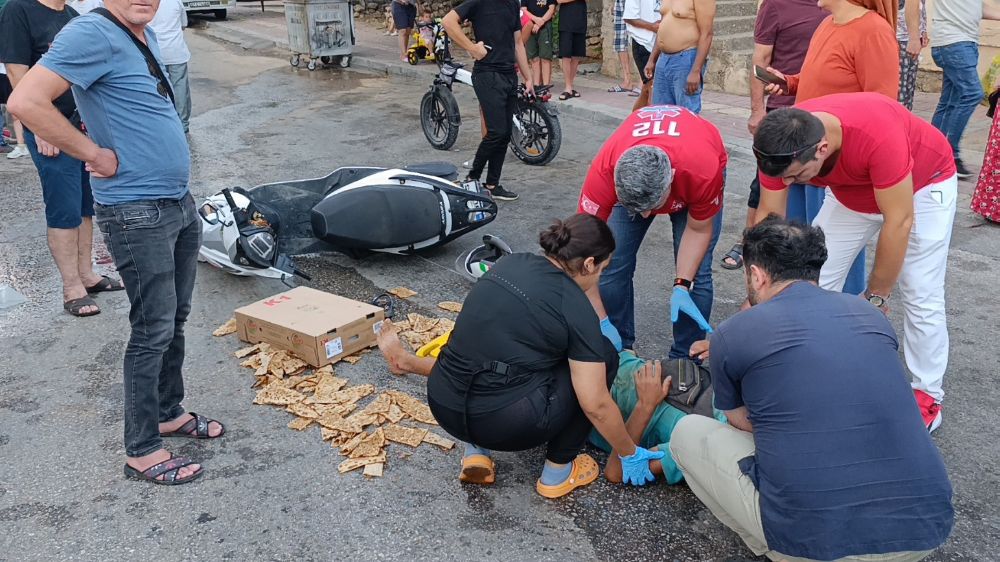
(378, 217)
(443, 170)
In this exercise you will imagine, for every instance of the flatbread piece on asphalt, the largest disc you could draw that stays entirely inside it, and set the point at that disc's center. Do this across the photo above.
(373, 470)
(413, 407)
(276, 394)
(224, 330)
(435, 439)
(346, 448)
(380, 405)
(394, 414)
(352, 359)
(406, 435)
(349, 395)
(241, 353)
(402, 292)
(370, 446)
(298, 424)
(354, 464)
(302, 411)
(450, 306)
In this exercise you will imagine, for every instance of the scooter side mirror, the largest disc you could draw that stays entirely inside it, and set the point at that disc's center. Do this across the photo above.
(209, 213)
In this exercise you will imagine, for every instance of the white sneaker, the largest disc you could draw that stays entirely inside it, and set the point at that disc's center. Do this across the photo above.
(19, 151)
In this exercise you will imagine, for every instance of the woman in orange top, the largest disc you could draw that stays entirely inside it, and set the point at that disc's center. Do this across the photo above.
(853, 50)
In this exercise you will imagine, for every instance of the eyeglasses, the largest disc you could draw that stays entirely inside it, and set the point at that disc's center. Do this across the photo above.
(783, 159)
(160, 87)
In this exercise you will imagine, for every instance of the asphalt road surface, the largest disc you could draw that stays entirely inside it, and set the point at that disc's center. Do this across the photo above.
(270, 493)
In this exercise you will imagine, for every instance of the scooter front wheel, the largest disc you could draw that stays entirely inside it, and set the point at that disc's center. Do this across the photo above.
(439, 117)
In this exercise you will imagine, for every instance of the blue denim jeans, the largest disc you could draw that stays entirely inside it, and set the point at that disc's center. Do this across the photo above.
(155, 248)
(616, 282)
(804, 202)
(65, 186)
(961, 90)
(670, 80)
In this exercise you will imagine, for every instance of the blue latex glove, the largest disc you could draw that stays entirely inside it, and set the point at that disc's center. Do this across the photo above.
(681, 302)
(635, 468)
(610, 332)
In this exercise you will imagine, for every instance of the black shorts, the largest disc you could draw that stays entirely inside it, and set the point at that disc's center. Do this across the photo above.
(404, 15)
(753, 201)
(641, 57)
(572, 44)
(5, 88)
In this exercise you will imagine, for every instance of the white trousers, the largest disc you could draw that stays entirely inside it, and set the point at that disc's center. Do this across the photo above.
(921, 281)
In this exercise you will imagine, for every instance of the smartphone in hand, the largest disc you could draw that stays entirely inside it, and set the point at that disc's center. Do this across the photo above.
(761, 73)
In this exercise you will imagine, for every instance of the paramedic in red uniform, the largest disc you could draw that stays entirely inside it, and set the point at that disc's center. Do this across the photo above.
(662, 160)
(890, 173)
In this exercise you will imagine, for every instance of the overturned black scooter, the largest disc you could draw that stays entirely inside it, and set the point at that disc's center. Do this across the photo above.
(354, 211)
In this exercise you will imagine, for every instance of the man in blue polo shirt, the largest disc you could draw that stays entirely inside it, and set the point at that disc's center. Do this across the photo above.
(140, 164)
(826, 456)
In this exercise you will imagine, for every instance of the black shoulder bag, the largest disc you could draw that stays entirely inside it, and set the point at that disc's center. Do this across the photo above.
(691, 387)
(151, 62)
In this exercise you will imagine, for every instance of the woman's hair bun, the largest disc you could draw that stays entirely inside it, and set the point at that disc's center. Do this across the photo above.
(555, 238)
(572, 241)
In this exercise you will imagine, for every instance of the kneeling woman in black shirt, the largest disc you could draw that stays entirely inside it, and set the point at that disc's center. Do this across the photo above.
(527, 364)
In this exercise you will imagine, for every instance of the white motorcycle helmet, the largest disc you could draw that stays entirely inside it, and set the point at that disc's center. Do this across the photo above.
(474, 263)
(250, 250)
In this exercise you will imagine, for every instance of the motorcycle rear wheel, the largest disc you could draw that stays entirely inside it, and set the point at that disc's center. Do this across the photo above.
(541, 138)
(439, 117)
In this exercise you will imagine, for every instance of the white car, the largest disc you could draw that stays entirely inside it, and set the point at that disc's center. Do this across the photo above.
(215, 7)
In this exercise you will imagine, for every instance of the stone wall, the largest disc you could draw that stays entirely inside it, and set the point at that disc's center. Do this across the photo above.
(373, 11)
(609, 58)
(596, 10)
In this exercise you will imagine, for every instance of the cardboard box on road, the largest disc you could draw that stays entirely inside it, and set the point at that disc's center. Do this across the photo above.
(318, 327)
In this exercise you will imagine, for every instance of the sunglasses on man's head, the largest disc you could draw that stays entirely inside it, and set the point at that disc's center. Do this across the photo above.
(160, 88)
(783, 159)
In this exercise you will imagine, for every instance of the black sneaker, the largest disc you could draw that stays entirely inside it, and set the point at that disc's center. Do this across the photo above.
(502, 194)
(962, 171)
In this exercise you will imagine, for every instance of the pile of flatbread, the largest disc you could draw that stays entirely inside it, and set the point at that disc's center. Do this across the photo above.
(418, 330)
(360, 432)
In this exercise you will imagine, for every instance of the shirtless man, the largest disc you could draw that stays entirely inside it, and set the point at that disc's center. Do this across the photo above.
(684, 37)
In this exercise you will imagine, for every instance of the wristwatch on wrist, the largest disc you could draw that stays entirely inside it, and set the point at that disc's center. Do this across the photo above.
(878, 301)
(682, 282)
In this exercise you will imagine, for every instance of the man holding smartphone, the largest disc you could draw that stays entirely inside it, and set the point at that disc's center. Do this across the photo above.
(781, 38)
(890, 173)
(497, 26)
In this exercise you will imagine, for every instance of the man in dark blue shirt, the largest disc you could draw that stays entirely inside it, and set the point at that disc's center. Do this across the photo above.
(826, 456)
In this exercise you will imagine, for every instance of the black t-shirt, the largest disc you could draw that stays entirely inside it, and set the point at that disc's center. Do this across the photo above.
(494, 23)
(27, 28)
(524, 312)
(573, 17)
(538, 8)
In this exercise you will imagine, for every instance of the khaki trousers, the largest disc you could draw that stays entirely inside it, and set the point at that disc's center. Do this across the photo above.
(708, 453)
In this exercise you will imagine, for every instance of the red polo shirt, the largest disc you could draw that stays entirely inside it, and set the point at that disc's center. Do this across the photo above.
(883, 142)
(696, 153)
